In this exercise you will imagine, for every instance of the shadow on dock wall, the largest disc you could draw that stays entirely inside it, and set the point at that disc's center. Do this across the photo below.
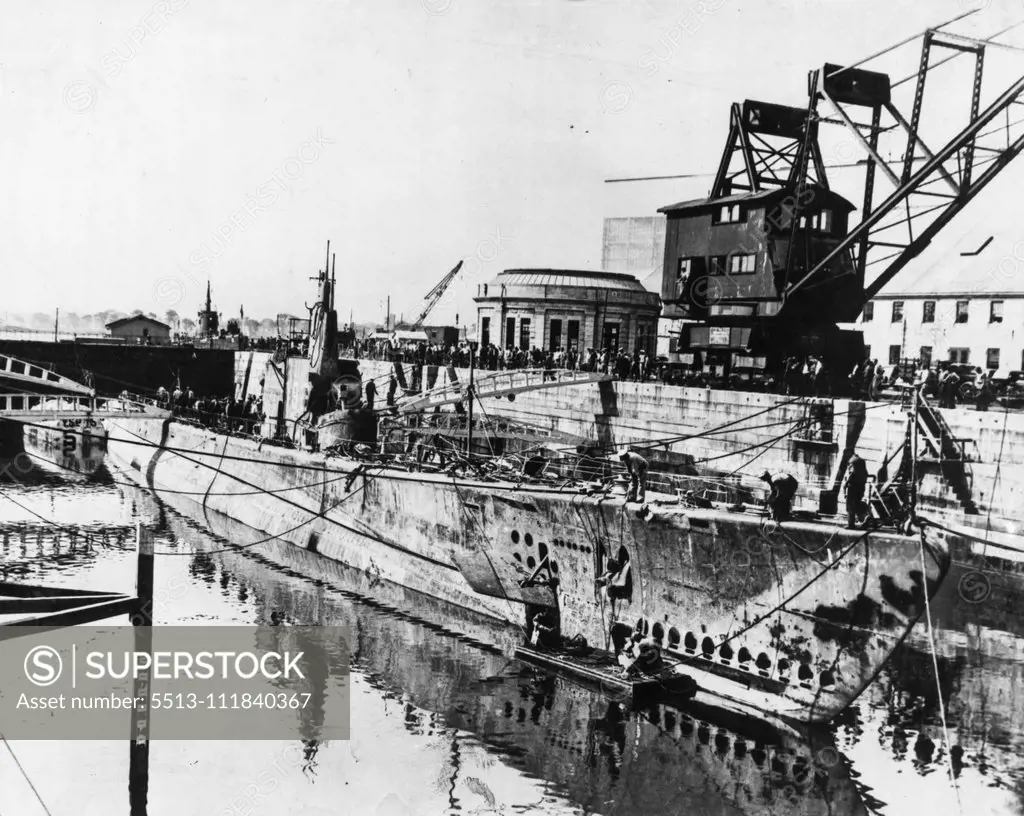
(208, 372)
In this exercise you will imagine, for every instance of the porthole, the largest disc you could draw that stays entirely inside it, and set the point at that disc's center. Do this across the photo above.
(515, 536)
(726, 652)
(542, 550)
(745, 655)
(763, 662)
(673, 638)
(658, 633)
(690, 643)
(804, 672)
(531, 561)
(784, 666)
(707, 647)
(554, 568)
(826, 678)
(528, 539)
(517, 556)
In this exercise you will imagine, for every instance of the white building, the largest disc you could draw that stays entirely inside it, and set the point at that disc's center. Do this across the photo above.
(970, 310)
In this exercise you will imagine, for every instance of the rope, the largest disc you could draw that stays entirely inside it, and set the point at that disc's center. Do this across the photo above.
(372, 535)
(24, 773)
(938, 685)
(501, 585)
(922, 522)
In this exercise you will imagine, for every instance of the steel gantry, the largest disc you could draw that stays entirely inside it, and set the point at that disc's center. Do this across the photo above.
(923, 200)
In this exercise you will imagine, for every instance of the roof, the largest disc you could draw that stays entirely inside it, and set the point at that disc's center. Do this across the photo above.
(832, 197)
(124, 320)
(568, 277)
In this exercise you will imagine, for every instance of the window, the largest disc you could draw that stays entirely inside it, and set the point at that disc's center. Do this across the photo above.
(720, 265)
(867, 351)
(555, 335)
(992, 359)
(574, 334)
(683, 276)
(610, 336)
(928, 312)
(524, 334)
(995, 314)
(925, 357)
(897, 311)
(869, 311)
(825, 221)
(961, 311)
(728, 214)
(741, 264)
(485, 331)
(894, 355)
(485, 290)
(959, 355)
(510, 332)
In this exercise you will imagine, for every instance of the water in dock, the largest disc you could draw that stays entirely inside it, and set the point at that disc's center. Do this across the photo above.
(444, 723)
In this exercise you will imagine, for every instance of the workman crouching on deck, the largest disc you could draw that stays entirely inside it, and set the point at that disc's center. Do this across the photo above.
(640, 656)
(636, 467)
(783, 489)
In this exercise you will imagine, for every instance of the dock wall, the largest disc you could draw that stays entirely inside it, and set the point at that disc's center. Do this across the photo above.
(736, 435)
(139, 369)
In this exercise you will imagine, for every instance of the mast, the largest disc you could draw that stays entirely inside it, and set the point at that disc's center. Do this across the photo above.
(469, 415)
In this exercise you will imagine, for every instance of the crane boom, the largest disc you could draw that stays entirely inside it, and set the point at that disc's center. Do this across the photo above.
(891, 234)
(435, 294)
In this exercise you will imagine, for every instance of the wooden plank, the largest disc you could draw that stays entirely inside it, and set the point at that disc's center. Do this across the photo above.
(36, 605)
(13, 590)
(609, 677)
(74, 617)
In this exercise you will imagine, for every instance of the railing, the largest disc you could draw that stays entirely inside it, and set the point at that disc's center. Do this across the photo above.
(498, 384)
(43, 404)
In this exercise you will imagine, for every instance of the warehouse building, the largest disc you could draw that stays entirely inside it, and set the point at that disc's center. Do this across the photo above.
(970, 310)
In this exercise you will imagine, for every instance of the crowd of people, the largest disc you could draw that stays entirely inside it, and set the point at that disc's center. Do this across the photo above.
(223, 414)
(638, 366)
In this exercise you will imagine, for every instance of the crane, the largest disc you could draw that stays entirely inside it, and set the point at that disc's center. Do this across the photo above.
(432, 297)
(769, 265)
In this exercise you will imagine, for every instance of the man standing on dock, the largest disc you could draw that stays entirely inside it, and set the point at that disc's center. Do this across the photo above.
(783, 488)
(371, 394)
(856, 482)
(636, 467)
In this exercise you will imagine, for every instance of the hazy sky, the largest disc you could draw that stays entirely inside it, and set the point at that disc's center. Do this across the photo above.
(411, 133)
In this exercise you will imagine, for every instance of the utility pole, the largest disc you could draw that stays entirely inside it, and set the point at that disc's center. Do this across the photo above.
(387, 316)
(56, 321)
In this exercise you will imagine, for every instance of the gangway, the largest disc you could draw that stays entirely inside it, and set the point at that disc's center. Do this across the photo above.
(44, 407)
(501, 384)
(21, 371)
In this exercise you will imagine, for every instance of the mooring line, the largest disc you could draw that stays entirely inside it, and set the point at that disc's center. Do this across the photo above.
(938, 685)
(28, 779)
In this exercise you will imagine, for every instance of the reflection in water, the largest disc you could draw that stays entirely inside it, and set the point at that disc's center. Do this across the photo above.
(443, 722)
